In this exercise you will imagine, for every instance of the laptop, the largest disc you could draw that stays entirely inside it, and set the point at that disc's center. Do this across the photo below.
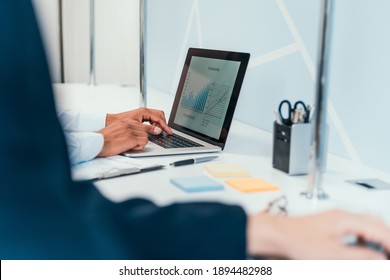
(204, 104)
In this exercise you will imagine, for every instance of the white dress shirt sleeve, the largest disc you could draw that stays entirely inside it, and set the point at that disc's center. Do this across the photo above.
(80, 131)
(83, 146)
(81, 121)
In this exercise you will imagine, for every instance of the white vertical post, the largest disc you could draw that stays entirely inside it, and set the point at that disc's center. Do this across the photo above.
(92, 66)
(142, 50)
(318, 138)
(61, 40)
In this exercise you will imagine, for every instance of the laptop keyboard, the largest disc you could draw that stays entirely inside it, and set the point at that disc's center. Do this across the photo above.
(172, 141)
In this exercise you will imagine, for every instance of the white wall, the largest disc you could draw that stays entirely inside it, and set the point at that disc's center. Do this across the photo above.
(48, 17)
(117, 41)
(117, 53)
(76, 40)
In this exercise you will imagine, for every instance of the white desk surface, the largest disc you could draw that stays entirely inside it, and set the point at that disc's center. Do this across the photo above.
(247, 145)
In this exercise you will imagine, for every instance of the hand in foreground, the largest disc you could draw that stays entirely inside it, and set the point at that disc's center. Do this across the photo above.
(154, 117)
(122, 135)
(320, 236)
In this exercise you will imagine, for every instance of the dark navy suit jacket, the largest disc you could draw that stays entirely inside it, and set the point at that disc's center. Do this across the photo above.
(45, 215)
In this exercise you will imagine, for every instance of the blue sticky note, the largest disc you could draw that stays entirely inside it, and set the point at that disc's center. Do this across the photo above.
(197, 184)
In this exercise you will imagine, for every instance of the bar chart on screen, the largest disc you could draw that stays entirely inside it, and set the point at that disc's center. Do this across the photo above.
(196, 102)
(207, 105)
(210, 100)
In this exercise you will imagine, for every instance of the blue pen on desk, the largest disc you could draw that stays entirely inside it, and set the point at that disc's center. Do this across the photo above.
(193, 161)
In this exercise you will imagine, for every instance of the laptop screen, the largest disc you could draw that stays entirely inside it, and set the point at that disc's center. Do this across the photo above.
(208, 92)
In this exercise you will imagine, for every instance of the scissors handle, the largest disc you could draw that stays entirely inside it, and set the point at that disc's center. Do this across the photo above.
(285, 120)
(297, 114)
(296, 105)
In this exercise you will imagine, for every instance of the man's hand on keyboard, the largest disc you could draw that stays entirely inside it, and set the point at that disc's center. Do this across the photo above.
(141, 115)
(123, 135)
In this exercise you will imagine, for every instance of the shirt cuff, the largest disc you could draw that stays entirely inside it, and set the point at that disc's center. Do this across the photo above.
(84, 146)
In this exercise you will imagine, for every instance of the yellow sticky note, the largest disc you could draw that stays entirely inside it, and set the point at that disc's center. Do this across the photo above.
(251, 185)
(226, 170)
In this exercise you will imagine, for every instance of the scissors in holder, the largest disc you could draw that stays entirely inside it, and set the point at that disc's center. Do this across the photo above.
(293, 114)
